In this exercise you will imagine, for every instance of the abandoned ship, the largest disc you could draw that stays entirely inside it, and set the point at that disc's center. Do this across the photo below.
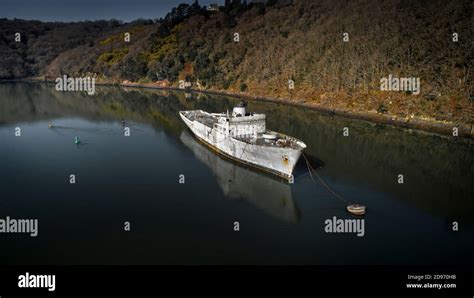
(244, 138)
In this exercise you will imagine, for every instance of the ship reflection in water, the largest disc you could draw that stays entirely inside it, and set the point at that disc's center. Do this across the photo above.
(239, 182)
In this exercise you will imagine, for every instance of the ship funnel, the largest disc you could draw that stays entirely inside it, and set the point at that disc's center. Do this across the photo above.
(239, 109)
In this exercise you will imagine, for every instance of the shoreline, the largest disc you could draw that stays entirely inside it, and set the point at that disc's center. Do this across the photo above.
(430, 126)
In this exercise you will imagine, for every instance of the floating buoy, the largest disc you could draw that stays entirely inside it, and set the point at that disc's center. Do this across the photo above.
(76, 140)
(356, 209)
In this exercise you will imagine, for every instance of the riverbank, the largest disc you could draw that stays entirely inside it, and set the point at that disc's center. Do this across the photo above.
(427, 125)
(424, 124)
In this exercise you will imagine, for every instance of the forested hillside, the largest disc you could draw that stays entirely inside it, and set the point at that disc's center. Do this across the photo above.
(283, 40)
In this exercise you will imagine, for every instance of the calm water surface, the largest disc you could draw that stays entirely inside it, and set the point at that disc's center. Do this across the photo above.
(135, 179)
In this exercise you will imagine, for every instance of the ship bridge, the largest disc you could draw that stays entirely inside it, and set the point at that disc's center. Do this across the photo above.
(244, 124)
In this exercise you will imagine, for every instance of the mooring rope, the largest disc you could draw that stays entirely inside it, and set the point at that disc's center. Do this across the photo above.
(311, 169)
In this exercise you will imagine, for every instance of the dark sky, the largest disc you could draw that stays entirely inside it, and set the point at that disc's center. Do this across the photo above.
(79, 10)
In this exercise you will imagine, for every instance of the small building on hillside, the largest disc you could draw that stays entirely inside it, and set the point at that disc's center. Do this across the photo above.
(213, 7)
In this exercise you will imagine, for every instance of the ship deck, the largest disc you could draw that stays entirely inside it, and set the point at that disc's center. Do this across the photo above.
(202, 117)
(281, 141)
